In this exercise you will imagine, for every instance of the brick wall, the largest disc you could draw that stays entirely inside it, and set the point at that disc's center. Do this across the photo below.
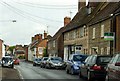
(1, 48)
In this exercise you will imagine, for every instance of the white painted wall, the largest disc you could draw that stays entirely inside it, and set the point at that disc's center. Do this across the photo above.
(3, 50)
(65, 53)
(30, 54)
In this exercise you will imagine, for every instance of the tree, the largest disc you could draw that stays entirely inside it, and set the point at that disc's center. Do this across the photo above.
(11, 48)
(45, 53)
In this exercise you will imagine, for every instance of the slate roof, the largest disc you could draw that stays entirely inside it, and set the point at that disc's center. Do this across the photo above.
(77, 19)
(106, 12)
(57, 34)
(82, 18)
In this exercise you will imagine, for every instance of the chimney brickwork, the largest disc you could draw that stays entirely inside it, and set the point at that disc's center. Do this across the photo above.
(67, 20)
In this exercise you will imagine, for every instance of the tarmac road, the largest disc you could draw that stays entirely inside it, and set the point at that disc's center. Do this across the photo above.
(30, 72)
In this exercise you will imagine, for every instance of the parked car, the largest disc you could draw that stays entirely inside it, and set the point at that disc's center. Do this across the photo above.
(74, 63)
(7, 61)
(55, 62)
(94, 67)
(43, 62)
(36, 61)
(16, 61)
(113, 69)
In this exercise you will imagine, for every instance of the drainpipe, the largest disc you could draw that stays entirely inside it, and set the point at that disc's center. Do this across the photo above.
(113, 29)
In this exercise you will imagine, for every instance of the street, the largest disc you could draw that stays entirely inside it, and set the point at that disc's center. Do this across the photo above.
(28, 71)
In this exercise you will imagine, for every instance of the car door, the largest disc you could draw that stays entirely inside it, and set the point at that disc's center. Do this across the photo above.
(112, 68)
(117, 72)
(84, 66)
(70, 62)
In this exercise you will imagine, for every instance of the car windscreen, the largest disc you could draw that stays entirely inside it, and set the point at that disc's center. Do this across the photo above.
(103, 59)
(44, 59)
(79, 58)
(56, 59)
(7, 59)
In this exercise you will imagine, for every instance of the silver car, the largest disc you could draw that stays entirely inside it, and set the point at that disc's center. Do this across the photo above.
(7, 61)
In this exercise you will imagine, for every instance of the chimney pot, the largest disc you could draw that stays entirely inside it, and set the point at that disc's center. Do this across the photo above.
(67, 20)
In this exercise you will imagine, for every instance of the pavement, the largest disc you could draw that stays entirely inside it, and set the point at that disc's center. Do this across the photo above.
(9, 74)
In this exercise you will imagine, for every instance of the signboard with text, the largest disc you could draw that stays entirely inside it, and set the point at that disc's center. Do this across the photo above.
(109, 36)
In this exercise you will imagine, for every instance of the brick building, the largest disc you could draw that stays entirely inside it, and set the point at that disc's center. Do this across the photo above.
(38, 45)
(1, 48)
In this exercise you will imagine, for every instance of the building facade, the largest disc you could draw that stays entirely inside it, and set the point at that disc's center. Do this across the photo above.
(85, 33)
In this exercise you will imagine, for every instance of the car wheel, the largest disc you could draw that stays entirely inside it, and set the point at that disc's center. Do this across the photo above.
(34, 64)
(12, 66)
(46, 66)
(67, 71)
(2, 65)
(41, 66)
(80, 75)
(72, 71)
(89, 76)
(107, 78)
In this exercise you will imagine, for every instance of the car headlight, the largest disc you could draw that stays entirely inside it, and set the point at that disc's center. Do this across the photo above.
(75, 63)
(9, 62)
(76, 67)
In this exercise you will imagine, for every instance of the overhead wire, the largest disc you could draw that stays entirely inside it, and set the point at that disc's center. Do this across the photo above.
(47, 6)
(57, 8)
(19, 13)
(23, 13)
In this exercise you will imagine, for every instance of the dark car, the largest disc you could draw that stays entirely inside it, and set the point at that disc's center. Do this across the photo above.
(36, 61)
(55, 62)
(43, 62)
(94, 67)
(74, 63)
(113, 69)
(7, 61)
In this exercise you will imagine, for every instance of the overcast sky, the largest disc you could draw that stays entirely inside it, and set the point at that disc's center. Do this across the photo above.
(33, 17)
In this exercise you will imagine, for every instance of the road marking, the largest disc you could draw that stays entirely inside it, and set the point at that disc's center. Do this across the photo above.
(21, 77)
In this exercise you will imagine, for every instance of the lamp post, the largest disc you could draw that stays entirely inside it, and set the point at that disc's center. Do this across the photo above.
(8, 21)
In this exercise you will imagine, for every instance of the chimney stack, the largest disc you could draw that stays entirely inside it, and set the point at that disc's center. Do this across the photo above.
(81, 3)
(32, 39)
(67, 20)
(45, 35)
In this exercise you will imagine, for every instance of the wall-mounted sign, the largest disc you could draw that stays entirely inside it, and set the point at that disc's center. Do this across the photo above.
(109, 36)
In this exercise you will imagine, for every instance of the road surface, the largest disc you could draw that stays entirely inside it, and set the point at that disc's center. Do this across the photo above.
(30, 72)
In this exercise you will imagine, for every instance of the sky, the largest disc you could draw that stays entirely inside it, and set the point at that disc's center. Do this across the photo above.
(33, 17)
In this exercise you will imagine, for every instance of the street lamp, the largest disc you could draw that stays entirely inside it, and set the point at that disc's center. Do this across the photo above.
(14, 21)
(8, 21)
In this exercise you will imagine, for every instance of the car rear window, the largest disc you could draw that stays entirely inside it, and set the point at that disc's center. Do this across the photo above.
(103, 60)
(79, 57)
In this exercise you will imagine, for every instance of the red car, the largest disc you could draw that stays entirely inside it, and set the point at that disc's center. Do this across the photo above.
(16, 61)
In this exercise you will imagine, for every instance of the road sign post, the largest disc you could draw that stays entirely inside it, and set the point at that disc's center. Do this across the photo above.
(110, 36)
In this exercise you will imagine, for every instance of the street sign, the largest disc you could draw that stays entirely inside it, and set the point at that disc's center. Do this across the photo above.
(109, 36)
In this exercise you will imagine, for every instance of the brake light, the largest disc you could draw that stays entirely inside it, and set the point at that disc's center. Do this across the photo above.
(96, 67)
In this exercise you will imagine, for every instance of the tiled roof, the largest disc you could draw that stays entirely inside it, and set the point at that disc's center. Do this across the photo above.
(33, 44)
